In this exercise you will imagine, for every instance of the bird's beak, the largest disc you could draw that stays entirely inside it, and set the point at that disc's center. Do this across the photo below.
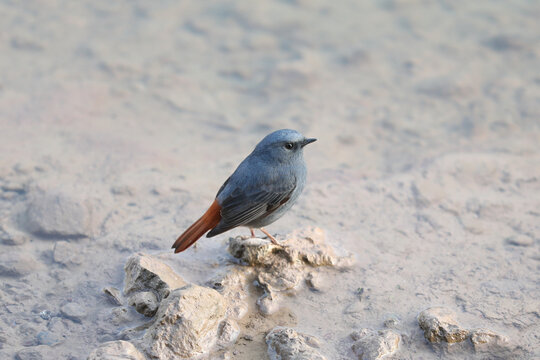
(308, 141)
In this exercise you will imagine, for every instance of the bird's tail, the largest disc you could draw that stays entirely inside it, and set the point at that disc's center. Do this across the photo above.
(209, 220)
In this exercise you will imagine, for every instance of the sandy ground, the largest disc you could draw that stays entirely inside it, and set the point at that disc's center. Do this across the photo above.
(427, 166)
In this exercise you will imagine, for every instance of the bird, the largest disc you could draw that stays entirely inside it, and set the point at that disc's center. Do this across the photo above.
(261, 190)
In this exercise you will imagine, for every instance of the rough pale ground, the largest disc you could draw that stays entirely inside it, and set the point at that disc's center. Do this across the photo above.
(427, 166)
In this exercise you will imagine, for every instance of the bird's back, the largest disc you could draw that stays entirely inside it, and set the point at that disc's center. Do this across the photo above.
(259, 179)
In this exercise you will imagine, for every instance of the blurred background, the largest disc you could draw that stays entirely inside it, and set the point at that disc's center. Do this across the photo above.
(427, 115)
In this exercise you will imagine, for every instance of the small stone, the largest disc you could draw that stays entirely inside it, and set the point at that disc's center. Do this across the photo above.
(67, 254)
(29, 354)
(223, 356)
(268, 303)
(439, 325)
(228, 333)
(485, 340)
(116, 350)
(12, 237)
(58, 325)
(48, 338)
(73, 311)
(60, 212)
(123, 190)
(191, 316)
(144, 272)
(17, 264)
(13, 186)
(373, 345)
(120, 315)
(145, 302)
(520, 240)
(391, 322)
(5, 336)
(313, 281)
(287, 344)
(113, 294)
(45, 315)
(27, 332)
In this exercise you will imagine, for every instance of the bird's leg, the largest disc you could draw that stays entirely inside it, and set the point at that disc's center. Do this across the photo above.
(272, 239)
(252, 232)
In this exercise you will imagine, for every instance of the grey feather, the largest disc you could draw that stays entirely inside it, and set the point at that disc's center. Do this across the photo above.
(265, 185)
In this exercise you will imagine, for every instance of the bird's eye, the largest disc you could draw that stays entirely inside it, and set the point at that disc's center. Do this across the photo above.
(289, 146)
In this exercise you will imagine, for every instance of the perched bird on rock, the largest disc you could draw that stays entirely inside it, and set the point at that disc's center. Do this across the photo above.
(263, 187)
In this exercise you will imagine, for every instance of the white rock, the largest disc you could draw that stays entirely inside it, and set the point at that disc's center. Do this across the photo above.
(280, 269)
(10, 236)
(374, 345)
(116, 350)
(67, 254)
(186, 324)
(228, 333)
(144, 272)
(304, 247)
(486, 340)
(48, 338)
(269, 303)
(520, 240)
(17, 264)
(73, 311)
(61, 212)
(439, 324)
(313, 281)
(287, 344)
(33, 353)
(113, 295)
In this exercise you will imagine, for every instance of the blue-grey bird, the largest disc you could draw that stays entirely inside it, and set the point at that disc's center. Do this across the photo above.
(262, 188)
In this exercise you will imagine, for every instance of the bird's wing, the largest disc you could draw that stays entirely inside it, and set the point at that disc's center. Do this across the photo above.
(245, 205)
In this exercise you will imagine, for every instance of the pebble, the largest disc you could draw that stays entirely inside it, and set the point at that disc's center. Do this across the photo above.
(520, 240)
(60, 212)
(113, 294)
(67, 254)
(374, 345)
(439, 324)
(145, 272)
(48, 338)
(145, 302)
(313, 281)
(29, 354)
(73, 311)
(116, 350)
(191, 314)
(12, 237)
(228, 333)
(17, 264)
(288, 344)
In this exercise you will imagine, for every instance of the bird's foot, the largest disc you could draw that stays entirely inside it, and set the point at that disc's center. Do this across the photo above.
(272, 239)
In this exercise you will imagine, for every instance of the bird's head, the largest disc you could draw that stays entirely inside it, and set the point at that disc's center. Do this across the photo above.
(282, 145)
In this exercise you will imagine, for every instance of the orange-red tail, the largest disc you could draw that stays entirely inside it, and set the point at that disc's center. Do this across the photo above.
(208, 221)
